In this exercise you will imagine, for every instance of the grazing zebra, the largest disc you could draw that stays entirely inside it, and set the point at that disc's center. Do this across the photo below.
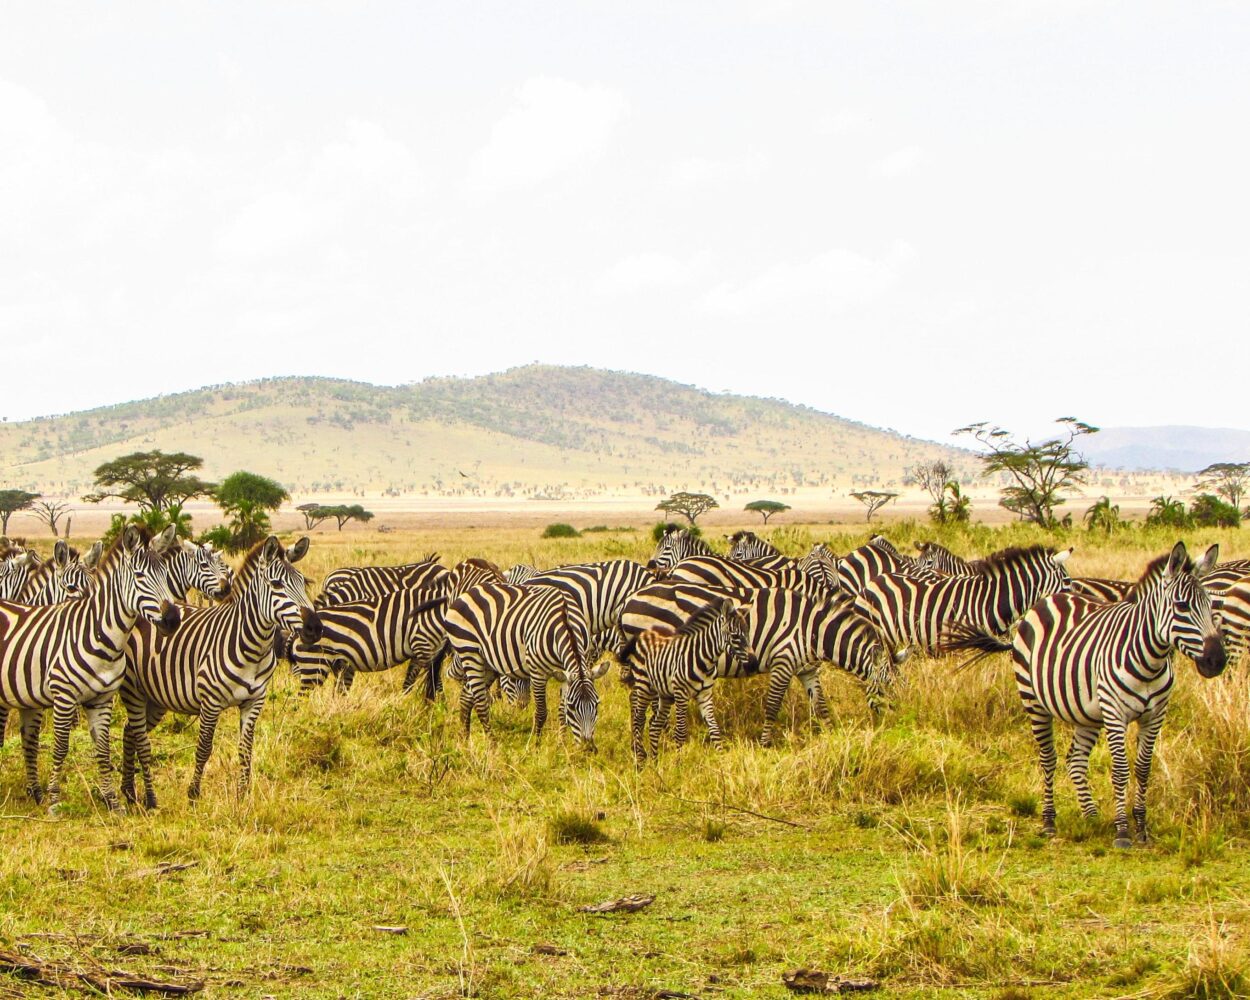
(669, 665)
(1102, 666)
(789, 633)
(221, 657)
(1100, 589)
(71, 655)
(815, 576)
(367, 636)
(520, 573)
(860, 565)
(536, 633)
(913, 612)
(941, 560)
(15, 571)
(1233, 606)
(600, 590)
(360, 583)
(677, 543)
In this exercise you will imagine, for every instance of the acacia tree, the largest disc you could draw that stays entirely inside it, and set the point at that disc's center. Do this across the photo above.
(767, 508)
(688, 505)
(1229, 480)
(343, 513)
(51, 512)
(873, 500)
(249, 498)
(314, 514)
(1038, 473)
(152, 479)
(931, 477)
(11, 501)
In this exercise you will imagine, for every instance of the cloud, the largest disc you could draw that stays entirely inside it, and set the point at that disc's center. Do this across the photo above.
(841, 122)
(823, 285)
(901, 161)
(649, 270)
(698, 171)
(555, 126)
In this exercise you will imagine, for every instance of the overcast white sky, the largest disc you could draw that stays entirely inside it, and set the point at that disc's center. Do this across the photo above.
(911, 214)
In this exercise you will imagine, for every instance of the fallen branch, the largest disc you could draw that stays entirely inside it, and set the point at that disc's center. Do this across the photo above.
(626, 904)
(815, 981)
(165, 868)
(63, 976)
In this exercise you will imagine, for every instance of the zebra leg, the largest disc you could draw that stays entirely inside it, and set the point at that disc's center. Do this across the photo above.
(1043, 725)
(778, 684)
(660, 706)
(682, 729)
(1084, 739)
(1147, 733)
(1119, 777)
(638, 700)
(32, 722)
(4, 721)
(816, 701)
(346, 673)
(209, 714)
(539, 691)
(411, 674)
(704, 700)
(249, 712)
(64, 716)
(99, 719)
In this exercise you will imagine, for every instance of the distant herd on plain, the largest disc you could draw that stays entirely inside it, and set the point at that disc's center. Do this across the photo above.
(79, 631)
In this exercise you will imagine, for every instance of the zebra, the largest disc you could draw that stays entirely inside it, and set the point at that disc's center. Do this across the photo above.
(747, 546)
(1102, 666)
(538, 633)
(222, 656)
(1100, 589)
(676, 543)
(876, 557)
(360, 583)
(913, 612)
(941, 560)
(788, 632)
(676, 665)
(1233, 605)
(520, 573)
(15, 571)
(817, 577)
(70, 655)
(372, 635)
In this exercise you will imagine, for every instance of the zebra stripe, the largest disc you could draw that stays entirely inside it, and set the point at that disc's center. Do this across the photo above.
(1102, 666)
(536, 633)
(373, 635)
(1100, 589)
(361, 583)
(677, 543)
(790, 634)
(15, 572)
(679, 665)
(1233, 606)
(747, 546)
(913, 612)
(70, 655)
(941, 560)
(520, 573)
(817, 578)
(221, 657)
(878, 556)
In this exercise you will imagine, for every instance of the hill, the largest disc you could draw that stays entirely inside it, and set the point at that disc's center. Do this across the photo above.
(1183, 449)
(537, 431)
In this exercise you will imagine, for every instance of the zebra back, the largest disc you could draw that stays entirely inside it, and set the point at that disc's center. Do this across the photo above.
(360, 583)
(1100, 589)
(941, 560)
(1233, 606)
(715, 571)
(1225, 575)
(876, 557)
(600, 590)
(520, 573)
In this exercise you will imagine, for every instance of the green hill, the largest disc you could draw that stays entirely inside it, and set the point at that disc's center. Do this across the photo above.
(537, 430)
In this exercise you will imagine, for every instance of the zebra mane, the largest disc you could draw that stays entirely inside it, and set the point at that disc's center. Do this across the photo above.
(1152, 573)
(884, 544)
(1006, 557)
(247, 569)
(115, 547)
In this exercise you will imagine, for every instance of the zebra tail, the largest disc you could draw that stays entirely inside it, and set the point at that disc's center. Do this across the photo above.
(434, 672)
(960, 638)
(624, 658)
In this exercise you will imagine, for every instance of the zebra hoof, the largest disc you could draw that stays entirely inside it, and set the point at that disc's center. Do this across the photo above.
(193, 793)
(1048, 829)
(1122, 842)
(1142, 839)
(35, 794)
(56, 810)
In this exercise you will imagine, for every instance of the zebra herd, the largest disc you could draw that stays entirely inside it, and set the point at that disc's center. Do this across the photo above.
(75, 632)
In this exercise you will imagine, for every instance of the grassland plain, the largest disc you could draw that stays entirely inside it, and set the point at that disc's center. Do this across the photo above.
(906, 851)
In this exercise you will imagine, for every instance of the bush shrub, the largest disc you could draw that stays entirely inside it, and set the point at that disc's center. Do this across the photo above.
(560, 530)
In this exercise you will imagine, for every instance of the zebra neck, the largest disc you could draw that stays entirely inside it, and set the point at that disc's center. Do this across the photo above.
(1147, 624)
(106, 611)
(179, 576)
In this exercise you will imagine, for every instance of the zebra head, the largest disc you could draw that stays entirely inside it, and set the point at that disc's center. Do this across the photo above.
(579, 697)
(1192, 625)
(468, 574)
(735, 630)
(821, 566)
(745, 546)
(145, 584)
(676, 544)
(70, 577)
(201, 567)
(15, 571)
(287, 588)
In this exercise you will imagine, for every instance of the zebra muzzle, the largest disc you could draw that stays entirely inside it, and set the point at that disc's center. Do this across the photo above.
(1213, 658)
(169, 619)
(310, 625)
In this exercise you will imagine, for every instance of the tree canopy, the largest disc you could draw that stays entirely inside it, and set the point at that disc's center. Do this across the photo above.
(1229, 480)
(688, 505)
(249, 497)
(11, 501)
(151, 479)
(1038, 473)
(874, 500)
(767, 508)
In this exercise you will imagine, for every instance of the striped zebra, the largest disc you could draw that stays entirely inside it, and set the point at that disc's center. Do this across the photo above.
(873, 559)
(1100, 589)
(221, 657)
(677, 543)
(789, 633)
(917, 613)
(941, 560)
(1225, 575)
(15, 571)
(747, 546)
(71, 655)
(520, 573)
(1233, 605)
(678, 665)
(600, 591)
(1103, 666)
(536, 633)
(360, 583)
(367, 636)
(818, 578)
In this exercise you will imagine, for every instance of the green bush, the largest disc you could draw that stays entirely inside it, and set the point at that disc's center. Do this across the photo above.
(660, 527)
(1209, 511)
(560, 530)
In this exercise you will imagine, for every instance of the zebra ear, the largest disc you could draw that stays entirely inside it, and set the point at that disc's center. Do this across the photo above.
(1062, 555)
(93, 555)
(131, 539)
(1176, 561)
(60, 553)
(165, 541)
(271, 549)
(297, 551)
(599, 669)
(1207, 562)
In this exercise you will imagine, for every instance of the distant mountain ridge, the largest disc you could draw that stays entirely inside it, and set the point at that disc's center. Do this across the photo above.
(1170, 448)
(537, 431)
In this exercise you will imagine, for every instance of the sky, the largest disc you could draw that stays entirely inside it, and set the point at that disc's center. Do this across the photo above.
(914, 215)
